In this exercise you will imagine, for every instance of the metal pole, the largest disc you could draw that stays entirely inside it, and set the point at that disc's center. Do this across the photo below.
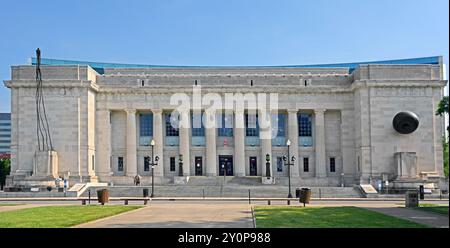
(153, 173)
(289, 172)
(89, 191)
(249, 201)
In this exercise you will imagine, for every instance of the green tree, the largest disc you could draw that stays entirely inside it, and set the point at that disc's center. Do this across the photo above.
(5, 167)
(442, 111)
(443, 107)
(445, 144)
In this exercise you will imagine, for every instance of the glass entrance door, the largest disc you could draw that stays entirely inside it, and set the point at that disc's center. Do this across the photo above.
(226, 165)
(253, 166)
(198, 166)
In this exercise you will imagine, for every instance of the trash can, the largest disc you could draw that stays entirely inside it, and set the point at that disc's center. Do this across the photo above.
(412, 199)
(103, 196)
(421, 192)
(305, 195)
(145, 192)
(297, 193)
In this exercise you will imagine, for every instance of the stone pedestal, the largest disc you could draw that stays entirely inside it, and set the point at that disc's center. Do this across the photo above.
(46, 164)
(406, 165)
(180, 180)
(268, 180)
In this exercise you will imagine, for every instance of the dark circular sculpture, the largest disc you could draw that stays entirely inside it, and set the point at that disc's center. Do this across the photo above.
(405, 122)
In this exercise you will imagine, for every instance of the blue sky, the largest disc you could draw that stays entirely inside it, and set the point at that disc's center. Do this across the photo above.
(187, 32)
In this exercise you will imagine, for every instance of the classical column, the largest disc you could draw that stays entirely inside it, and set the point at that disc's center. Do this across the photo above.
(103, 143)
(293, 137)
(321, 169)
(211, 153)
(158, 138)
(239, 143)
(185, 141)
(131, 164)
(266, 142)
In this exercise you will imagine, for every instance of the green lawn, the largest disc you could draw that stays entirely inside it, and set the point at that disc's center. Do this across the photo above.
(326, 217)
(434, 208)
(58, 216)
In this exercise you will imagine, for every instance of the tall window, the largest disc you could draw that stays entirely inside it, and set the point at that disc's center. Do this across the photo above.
(146, 125)
(279, 164)
(120, 163)
(305, 164)
(281, 128)
(146, 163)
(305, 125)
(225, 122)
(251, 125)
(171, 130)
(93, 162)
(198, 129)
(332, 165)
(172, 163)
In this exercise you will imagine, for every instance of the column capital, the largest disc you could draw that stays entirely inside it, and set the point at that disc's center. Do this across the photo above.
(157, 111)
(320, 111)
(130, 111)
(292, 111)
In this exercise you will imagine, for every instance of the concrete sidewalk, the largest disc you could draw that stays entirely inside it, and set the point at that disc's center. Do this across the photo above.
(418, 216)
(18, 207)
(181, 216)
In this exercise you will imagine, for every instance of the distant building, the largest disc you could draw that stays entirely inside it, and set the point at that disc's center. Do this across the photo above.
(5, 133)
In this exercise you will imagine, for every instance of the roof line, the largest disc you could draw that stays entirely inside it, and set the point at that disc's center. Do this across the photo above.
(100, 66)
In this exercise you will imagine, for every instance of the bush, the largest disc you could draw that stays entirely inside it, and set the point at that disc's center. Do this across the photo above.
(5, 167)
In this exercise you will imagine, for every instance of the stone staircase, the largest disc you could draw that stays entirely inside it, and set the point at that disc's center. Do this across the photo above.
(225, 190)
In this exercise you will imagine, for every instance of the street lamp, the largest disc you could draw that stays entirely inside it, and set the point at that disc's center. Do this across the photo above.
(289, 162)
(268, 166)
(154, 161)
(180, 165)
(224, 172)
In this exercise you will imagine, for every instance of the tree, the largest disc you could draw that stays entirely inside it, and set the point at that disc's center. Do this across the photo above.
(5, 167)
(445, 144)
(443, 108)
(441, 111)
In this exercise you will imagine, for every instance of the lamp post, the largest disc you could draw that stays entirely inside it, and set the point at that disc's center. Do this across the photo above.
(268, 166)
(180, 165)
(154, 161)
(224, 172)
(289, 162)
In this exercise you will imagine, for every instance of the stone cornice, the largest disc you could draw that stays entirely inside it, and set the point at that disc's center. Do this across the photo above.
(52, 84)
(229, 89)
(398, 83)
(188, 75)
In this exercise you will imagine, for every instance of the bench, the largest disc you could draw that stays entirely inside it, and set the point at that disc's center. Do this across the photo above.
(125, 200)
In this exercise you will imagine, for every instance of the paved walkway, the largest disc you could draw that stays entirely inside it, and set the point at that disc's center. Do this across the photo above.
(182, 215)
(418, 216)
(17, 207)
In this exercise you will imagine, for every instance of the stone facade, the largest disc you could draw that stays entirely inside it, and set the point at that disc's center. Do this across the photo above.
(94, 120)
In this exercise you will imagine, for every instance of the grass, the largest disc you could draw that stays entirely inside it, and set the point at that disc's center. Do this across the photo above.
(326, 217)
(58, 216)
(434, 208)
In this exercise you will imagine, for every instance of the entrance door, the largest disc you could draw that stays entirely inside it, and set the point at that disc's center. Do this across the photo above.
(225, 165)
(198, 166)
(253, 166)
